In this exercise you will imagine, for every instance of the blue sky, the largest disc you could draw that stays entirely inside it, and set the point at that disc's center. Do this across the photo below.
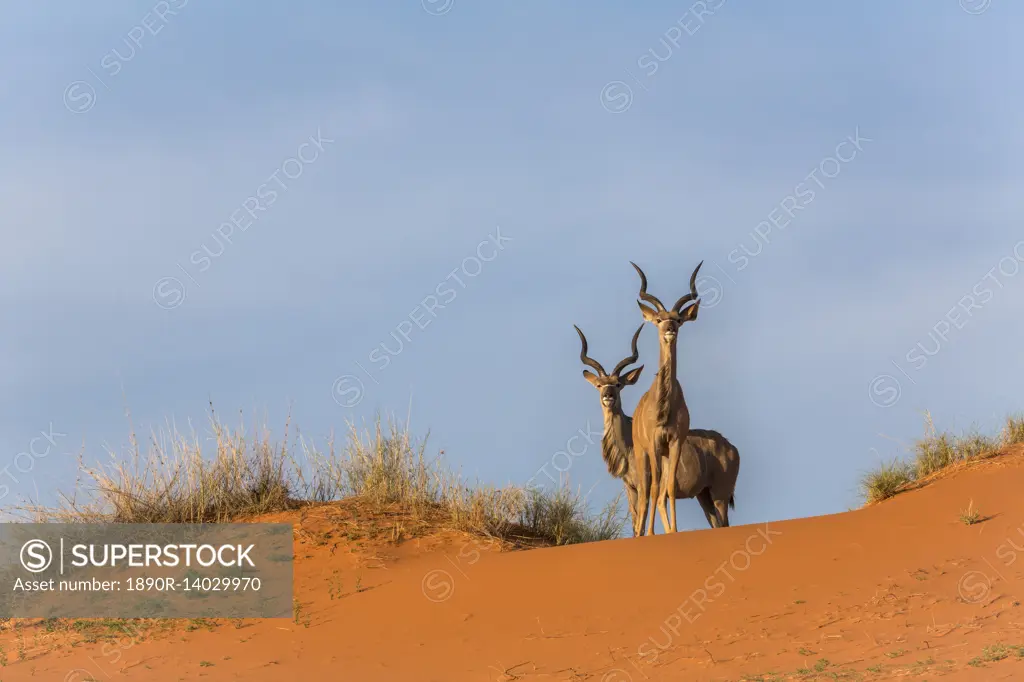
(129, 138)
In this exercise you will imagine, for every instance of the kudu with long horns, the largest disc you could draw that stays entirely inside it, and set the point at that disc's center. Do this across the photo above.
(617, 446)
(661, 422)
(617, 443)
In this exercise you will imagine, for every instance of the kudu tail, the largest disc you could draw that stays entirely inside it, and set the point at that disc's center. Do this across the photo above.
(732, 502)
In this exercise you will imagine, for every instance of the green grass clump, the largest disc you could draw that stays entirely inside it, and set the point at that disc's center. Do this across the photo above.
(886, 481)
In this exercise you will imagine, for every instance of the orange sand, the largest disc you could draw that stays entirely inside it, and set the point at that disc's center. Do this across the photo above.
(902, 589)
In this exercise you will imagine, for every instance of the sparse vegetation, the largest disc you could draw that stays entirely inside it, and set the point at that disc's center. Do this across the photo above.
(970, 516)
(886, 481)
(1013, 431)
(561, 517)
(334, 586)
(997, 652)
(936, 452)
(238, 475)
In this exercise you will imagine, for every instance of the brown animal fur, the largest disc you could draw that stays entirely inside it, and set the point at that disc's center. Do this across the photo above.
(720, 465)
(617, 442)
(717, 458)
(661, 422)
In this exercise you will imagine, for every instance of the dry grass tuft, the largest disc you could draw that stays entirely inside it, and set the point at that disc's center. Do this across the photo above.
(970, 516)
(937, 453)
(886, 481)
(1013, 431)
(175, 481)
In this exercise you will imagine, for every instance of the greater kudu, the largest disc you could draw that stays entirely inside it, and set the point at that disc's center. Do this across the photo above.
(617, 443)
(719, 457)
(719, 463)
(661, 422)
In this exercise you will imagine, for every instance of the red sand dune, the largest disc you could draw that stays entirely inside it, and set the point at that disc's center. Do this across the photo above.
(902, 589)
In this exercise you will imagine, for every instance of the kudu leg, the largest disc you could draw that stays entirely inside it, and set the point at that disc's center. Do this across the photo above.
(643, 486)
(667, 502)
(632, 501)
(669, 476)
(641, 512)
(663, 502)
(663, 507)
(655, 492)
(722, 507)
(708, 505)
(663, 511)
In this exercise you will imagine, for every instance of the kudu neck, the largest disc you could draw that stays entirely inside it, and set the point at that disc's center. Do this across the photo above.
(614, 420)
(667, 363)
(617, 443)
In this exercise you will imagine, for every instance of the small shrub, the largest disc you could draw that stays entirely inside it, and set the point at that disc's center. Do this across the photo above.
(561, 518)
(933, 452)
(886, 481)
(970, 516)
(1013, 431)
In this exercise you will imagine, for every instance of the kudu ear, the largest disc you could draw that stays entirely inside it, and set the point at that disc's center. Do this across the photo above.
(690, 314)
(591, 377)
(632, 376)
(650, 314)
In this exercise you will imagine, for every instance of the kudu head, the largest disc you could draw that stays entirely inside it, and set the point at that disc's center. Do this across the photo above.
(609, 385)
(668, 320)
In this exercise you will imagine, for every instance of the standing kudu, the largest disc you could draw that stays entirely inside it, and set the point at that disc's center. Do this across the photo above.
(720, 460)
(719, 463)
(661, 422)
(617, 443)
